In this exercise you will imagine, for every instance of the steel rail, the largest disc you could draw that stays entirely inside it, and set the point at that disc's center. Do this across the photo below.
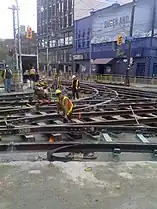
(17, 98)
(14, 94)
(94, 93)
(115, 148)
(105, 106)
(74, 128)
(52, 107)
(15, 110)
(124, 89)
(79, 147)
(80, 115)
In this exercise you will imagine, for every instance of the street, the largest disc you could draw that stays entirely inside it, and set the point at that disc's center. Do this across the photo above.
(79, 185)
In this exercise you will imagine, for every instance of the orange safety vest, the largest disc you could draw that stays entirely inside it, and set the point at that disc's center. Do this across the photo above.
(77, 83)
(61, 104)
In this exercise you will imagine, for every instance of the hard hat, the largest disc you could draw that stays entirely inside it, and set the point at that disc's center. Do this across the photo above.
(58, 91)
(7, 66)
(74, 76)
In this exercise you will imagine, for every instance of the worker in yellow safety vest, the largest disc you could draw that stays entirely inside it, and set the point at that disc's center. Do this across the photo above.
(7, 78)
(64, 104)
(32, 75)
(75, 87)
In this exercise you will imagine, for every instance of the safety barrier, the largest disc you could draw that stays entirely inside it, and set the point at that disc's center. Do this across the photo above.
(108, 78)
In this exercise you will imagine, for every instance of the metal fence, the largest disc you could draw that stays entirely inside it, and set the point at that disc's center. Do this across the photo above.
(107, 78)
(112, 79)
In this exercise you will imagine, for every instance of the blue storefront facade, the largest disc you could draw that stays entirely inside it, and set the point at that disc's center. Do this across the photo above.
(95, 45)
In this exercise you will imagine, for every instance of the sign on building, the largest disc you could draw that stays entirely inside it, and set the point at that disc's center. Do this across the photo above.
(106, 26)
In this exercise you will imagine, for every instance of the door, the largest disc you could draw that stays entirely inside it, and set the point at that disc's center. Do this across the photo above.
(140, 70)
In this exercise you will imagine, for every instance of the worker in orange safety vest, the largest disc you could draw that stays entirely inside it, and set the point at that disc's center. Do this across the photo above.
(64, 104)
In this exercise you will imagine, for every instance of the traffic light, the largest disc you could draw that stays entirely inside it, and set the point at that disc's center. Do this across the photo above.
(119, 40)
(11, 52)
(29, 33)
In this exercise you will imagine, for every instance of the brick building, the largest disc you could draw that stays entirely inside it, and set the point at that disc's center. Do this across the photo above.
(55, 29)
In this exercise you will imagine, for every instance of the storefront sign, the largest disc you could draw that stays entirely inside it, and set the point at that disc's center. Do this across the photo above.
(117, 21)
(78, 57)
(107, 26)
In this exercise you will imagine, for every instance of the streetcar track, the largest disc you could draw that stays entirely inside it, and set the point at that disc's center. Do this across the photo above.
(107, 110)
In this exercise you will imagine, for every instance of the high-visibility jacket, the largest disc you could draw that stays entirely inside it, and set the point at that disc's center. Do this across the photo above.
(75, 84)
(7, 73)
(67, 110)
(32, 71)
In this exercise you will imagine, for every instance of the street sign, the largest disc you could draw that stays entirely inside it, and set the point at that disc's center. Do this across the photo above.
(130, 38)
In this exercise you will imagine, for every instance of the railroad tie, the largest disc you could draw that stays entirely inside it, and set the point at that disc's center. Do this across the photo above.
(142, 138)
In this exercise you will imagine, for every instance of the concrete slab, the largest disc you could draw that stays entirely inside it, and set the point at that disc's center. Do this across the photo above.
(43, 185)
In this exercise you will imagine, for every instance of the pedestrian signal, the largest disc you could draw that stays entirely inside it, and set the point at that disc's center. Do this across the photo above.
(29, 33)
(119, 40)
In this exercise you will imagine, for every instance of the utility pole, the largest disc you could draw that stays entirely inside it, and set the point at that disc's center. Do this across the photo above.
(47, 49)
(17, 43)
(20, 70)
(15, 57)
(152, 35)
(56, 35)
(127, 82)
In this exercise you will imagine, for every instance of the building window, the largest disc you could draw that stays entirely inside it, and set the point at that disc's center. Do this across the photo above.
(64, 55)
(70, 40)
(42, 9)
(70, 57)
(61, 42)
(88, 37)
(61, 57)
(62, 6)
(70, 20)
(66, 40)
(65, 21)
(43, 43)
(79, 39)
(83, 38)
(50, 44)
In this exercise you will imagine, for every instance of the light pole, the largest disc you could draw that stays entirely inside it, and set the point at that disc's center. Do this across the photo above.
(127, 82)
(152, 36)
(15, 58)
(20, 71)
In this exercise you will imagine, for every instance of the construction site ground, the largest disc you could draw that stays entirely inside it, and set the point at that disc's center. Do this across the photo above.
(126, 184)
(79, 185)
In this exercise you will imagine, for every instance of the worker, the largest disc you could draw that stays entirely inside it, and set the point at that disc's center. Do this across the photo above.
(7, 78)
(75, 87)
(65, 105)
(32, 76)
(56, 82)
(26, 76)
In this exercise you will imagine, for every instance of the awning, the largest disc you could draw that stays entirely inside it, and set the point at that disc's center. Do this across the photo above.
(103, 61)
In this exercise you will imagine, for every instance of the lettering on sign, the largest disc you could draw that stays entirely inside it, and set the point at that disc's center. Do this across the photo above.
(117, 21)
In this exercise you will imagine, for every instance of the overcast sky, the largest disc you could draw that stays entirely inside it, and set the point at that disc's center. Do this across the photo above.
(27, 16)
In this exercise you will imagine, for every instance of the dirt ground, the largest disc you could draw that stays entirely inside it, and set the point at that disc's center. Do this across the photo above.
(78, 185)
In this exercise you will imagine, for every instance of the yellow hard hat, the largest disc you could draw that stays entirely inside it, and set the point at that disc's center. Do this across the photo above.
(58, 91)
